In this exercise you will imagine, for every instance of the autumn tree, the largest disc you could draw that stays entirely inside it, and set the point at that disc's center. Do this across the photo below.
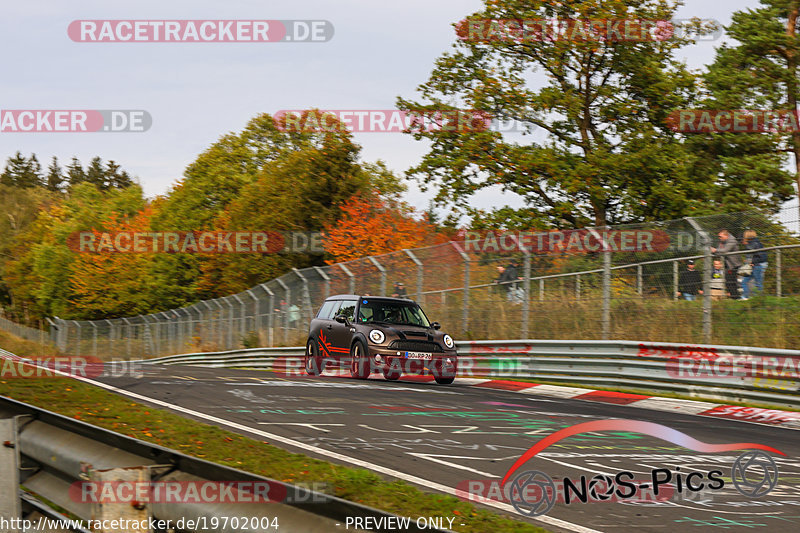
(113, 284)
(758, 70)
(606, 155)
(371, 225)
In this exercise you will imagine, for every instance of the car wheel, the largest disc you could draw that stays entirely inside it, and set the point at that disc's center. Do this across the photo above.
(313, 362)
(391, 375)
(442, 377)
(359, 367)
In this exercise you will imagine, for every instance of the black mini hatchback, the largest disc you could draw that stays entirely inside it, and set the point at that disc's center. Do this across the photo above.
(370, 334)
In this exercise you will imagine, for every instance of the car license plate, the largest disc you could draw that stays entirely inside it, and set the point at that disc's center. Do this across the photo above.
(419, 355)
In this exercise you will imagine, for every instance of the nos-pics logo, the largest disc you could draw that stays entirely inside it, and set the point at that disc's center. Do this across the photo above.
(533, 493)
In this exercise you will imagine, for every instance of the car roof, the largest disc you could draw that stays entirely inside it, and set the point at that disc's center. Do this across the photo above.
(359, 296)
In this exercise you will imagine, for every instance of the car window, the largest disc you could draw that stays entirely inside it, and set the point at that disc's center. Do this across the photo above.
(328, 309)
(347, 309)
(391, 312)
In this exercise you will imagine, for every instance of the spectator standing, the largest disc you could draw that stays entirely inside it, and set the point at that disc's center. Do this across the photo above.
(399, 290)
(690, 283)
(728, 243)
(758, 260)
(717, 281)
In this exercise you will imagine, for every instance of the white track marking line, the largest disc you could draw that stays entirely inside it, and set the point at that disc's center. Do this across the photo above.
(555, 522)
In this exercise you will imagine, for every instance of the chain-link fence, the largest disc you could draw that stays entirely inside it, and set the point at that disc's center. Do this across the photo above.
(24, 332)
(626, 282)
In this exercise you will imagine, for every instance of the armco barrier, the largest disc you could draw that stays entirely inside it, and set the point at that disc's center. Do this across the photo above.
(49, 454)
(730, 373)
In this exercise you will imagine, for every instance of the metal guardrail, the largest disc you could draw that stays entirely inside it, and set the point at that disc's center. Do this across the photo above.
(47, 453)
(730, 373)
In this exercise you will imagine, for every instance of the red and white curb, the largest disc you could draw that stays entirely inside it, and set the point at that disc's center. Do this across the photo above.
(756, 415)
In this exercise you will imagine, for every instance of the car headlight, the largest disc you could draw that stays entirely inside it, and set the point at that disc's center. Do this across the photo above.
(448, 341)
(377, 336)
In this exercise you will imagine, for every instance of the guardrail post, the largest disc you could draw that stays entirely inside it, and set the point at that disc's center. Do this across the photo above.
(419, 273)
(465, 301)
(707, 272)
(351, 276)
(114, 511)
(778, 276)
(9, 470)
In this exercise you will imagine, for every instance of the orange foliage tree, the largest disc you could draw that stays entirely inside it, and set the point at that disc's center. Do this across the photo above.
(113, 284)
(371, 225)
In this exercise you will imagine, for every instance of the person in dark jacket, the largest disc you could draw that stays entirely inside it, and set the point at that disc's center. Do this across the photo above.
(728, 243)
(690, 284)
(750, 241)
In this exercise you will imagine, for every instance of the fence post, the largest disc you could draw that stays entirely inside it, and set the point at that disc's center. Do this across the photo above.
(242, 325)
(270, 319)
(465, 301)
(778, 275)
(382, 270)
(578, 287)
(606, 313)
(94, 337)
(675, 280)
(110, 336)
(127, 337)
(220, 339)
(541, 289)
(350, 275)
(639, 279)
(230, 322)
(526, 268)
(285, 311)
(707, 268)
(78, 336)
(327, 279)
(256, 313)
(420, 274)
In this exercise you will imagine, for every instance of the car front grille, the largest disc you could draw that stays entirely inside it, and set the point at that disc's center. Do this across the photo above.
(415, 346)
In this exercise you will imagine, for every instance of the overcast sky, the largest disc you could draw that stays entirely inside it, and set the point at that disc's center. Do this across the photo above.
(196, 92)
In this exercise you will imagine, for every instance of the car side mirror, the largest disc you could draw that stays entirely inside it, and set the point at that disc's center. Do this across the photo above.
(340, 319)
(436, 325)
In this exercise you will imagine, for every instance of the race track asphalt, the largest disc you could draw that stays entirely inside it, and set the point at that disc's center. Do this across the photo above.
(467, 437)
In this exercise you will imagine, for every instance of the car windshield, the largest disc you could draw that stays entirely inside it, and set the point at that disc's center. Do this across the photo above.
(389, 312)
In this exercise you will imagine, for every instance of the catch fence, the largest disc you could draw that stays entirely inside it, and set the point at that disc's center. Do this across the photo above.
(620, 283)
